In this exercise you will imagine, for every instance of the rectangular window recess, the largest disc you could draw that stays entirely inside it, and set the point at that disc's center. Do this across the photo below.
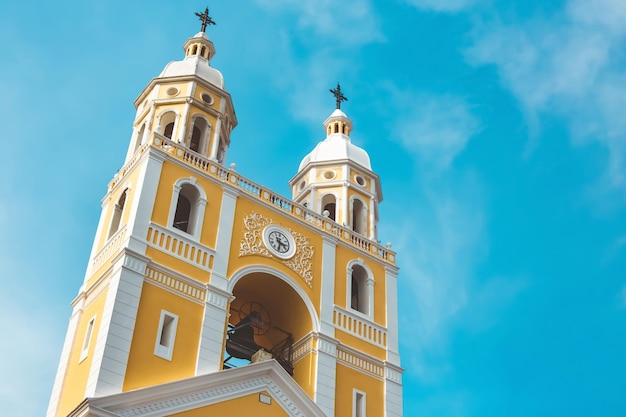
(87, 340)
(164, 346)
(358, 404)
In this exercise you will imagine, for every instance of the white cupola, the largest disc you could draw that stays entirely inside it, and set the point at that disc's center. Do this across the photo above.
(336, 178)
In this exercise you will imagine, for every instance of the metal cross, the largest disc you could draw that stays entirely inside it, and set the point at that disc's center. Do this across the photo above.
(206, 19)
(339, 97)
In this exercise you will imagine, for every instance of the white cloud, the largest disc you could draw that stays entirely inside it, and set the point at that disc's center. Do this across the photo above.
(440, 242)
(435, 128)
(449, 6)
(567, 66)
(348, 23)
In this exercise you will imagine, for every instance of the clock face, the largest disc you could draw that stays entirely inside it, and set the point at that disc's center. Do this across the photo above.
(279, 241)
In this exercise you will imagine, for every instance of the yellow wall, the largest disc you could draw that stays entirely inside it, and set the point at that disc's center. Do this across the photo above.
(352, 379)
(73, 390)
(144, 367)
(248, 405)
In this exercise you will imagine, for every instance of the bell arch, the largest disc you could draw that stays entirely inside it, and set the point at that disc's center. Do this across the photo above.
(269, 312)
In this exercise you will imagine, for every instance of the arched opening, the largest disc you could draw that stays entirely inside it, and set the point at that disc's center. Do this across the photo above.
(199, 135)
(267, 313)
(117, 214)
(359, 217)
(359, 294)
(329, 203)
(185, 216)
(167, 124)
(139, 138)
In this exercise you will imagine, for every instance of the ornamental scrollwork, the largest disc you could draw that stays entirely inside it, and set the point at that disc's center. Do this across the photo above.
(252, 244)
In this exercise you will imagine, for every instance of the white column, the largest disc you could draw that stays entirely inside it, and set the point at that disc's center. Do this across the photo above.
(391, 279)
(144, 197)
(65, 356)
(224, 239)
(393, 391)
(327, 298)
(216, 139)
(326, 376)
(183, 131)
(210, 355)
(108, 367)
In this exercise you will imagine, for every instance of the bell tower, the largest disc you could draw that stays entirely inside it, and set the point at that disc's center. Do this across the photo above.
(209, 294)
(336, 178)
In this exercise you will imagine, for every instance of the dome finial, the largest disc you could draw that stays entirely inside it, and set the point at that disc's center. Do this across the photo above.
(339, 97)
(206, 19)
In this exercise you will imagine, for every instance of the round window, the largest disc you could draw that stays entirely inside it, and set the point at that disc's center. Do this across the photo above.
(360, 180)
(301, 186)
(329, 175)
(207, 98)
(172, 91)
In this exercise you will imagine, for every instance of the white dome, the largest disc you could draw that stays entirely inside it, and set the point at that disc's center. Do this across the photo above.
(337, 147)
(194, 65)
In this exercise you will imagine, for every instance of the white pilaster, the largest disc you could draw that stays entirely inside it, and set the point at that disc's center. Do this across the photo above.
(65, 357)
(143, 201)
(326, 376)
(393, 391)
(391, 279)
(210, 355)
(224, 239)
(94, 248)
(108, 366)
(329, 251)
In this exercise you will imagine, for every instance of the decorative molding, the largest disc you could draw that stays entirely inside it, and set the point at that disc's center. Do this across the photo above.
(393, 374)
(252, 244)
(355, 360)
(202, 391)
(175, 285)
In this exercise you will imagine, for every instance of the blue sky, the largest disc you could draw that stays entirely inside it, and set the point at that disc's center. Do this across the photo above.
(498, 129)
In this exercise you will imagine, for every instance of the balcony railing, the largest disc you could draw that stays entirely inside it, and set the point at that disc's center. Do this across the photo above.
(267, 196)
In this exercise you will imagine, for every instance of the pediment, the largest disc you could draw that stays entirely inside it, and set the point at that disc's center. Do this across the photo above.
(237, 387)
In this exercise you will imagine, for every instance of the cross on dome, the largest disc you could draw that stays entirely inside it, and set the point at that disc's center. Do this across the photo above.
(339, 97)
(206, 19)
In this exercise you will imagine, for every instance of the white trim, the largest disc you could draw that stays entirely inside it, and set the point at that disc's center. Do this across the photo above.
(224, 237)
(369, 288)
(327, 296)
(251, 269)
(267, 241)
(391, 282)
(166, 335)
(87, 339)
(201, 391)
(359, 403)
(196, 216)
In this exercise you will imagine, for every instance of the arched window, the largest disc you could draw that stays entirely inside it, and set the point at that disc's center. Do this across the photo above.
(329, 202)
(117, 214)
(199, 135)
(168, 123)
(360, 288)
(359, 217)
(194, 145)
(139, 138)
(187, 209)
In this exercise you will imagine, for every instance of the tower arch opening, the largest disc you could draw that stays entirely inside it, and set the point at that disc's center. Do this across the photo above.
(167, 124)
(117, 214)
(329, 202)
(359, 217)
(266, 313)
(360, 291)
(199, 135)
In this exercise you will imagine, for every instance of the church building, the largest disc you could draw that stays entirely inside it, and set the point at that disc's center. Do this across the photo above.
(207, 294)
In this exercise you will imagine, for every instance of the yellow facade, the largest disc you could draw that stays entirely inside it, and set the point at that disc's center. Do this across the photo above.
(196, 270)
